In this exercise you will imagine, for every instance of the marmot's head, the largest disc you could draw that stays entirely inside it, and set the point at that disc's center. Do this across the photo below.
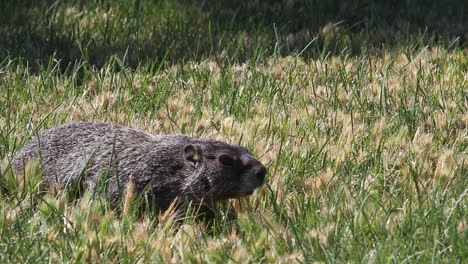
(218, 170)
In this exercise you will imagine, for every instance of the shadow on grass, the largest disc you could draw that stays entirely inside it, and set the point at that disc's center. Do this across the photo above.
(158, 32)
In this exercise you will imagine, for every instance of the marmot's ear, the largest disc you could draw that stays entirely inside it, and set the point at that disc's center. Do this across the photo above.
(192, 154)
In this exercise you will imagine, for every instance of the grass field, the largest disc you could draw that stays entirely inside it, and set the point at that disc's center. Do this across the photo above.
(359, 111)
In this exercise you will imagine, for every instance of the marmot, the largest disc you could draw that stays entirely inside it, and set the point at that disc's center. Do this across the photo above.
(164, 167)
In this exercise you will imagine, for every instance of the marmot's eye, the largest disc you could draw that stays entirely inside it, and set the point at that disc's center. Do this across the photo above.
(226, 160)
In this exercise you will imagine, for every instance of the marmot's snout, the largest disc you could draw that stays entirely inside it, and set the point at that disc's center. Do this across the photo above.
(258, 170)
(254, 174)
(261, 172)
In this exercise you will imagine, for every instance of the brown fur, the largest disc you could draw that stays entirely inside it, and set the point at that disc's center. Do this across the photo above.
(92, 155)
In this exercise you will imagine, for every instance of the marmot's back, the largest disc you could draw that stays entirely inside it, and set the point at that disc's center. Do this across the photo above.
(79, 139)
(166, 165)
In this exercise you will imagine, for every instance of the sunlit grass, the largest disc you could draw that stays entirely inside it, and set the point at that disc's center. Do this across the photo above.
(367, 153)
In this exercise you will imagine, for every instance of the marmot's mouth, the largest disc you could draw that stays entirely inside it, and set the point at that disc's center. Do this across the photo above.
(234, 195)
(245, 193)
